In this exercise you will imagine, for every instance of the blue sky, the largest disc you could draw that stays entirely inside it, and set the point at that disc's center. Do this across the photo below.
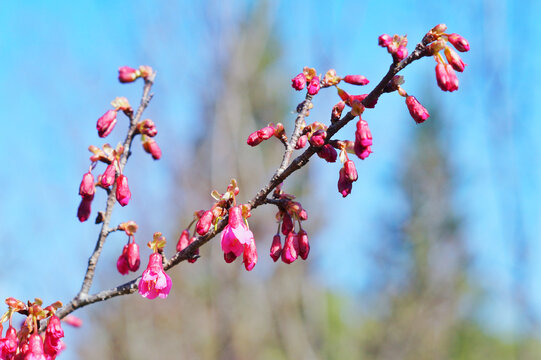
(60, 65)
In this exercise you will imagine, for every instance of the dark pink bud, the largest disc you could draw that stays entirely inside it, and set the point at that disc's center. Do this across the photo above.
(276, 248)
(453, 79)
(183, 240)
(344, 184)
(122, 263)
(196, 252)
(250, 256)
(266, 133)
(126, 74)
(304, 245)
(229, 257)
(87, 189)
(235, 217)
(454, 59)
(401, 53)
(299, 82)
(291, 248)
(287, 224)
(147, 127)
(108, 177)
(363, 140)
(35, 348)
(350, 171)
(123, 194)
(356, 79)
(204, 223)
(133, 257)
(459, 42)
(442, 77)
(73, 321)
(106, 123)
(318, 138)
(8, 345)
(84, 210)
(417, 111)
(384, 40)
(254, 139)
(54, 329)
(313, 88)
(301, 142)
(151, 147)
(328, 153)
(337, 111)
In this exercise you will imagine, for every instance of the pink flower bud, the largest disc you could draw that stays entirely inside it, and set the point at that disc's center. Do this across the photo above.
(126, 74)
(196, 252)
(54, 328)
(344, 184)
(250, 256)
(133, 256)
(122, 263)
(453, 79)
(459, 42)
(343, 95)
(276, 248)
(266, 133)
(291, 248)
(73, 321)
(363, 140)
(106, 123)
(318, 138)
(183, 240)
(301, 142)
(87, 189)
(299, 82)
(454, 59)
(147, 127)
(108, 177)
(328, 153)
(304, 245)
(313, 88)
(84, 210)
(337, 111)
(384, 40)
(401, 53)
(254, 139)
(154, 281)
(236, 233)
(356, 80)
(417, 111)
(229, 257)
(35, 348)
(350, 171)
(123, 194)
(204, 223)
(287, 224)
(151, 146)
(8, 345)
(442, 77)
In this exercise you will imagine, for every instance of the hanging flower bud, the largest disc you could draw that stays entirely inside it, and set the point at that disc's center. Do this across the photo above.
(459, 42)
(291, 248)
(196, 252)
(147, 127)
(384, 40)
(363, 140)
(304, 245)
(205, 222)
(127, 74)
(301, 142)
(52, 343)
(442, 77)
(417, 111)
(287, 224)
(356, 79)
(276, 248)
(183, 240)
(350, 171)
(453, 79)
(122, 263)
(337, 111)
(299, 82)
(87, 189)
(123, 194)
(454, 59)
(328, 153)
(84, 210)
(35, 348)
(106, 123)
(108, 177)
(8, 345)
(155, 282)
(133, 256)
(254, 139)
(313, 88)
(250, 256)
(151, 146)
(344, 184)
(318, 138)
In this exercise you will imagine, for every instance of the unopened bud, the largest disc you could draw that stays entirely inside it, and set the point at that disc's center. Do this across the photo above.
(266, 133)
(344, 184)
(127, 74)
(298, 82)
(356, 79)
(417, 111)
(123, 194)
(304, 245)
(276, 248)
(318, 138)
(301, 142)
(291, 248)
(108, 177)
(313, 88)
(459, 42)
(106, 123)
(183, 240)
(147, 127)
(87, 189)
(204, 223)
(384, 40)
(249, 256)
(328, 153)
(196, 252)
(133, 256)
(151, 146)
(337, 111)
(84, 210)
(454, 59)
(287, 224)
(350, 171)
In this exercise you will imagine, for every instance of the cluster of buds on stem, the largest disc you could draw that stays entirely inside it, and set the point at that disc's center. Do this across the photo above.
(27, 343)
(129, 260)
(266, 133)
(396, 46)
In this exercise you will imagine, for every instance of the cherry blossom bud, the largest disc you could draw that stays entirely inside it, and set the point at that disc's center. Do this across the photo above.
(73, 321)
(301, 142)
(229, 257)
(133, 256)
(87, 189)
(123, 194)
(122, 263)
(250, 256)
(52, 343)
(196, 252)
(126, 74)
(108, 177)
(384, 40)
(343, 95)
(401, 53)
(204, 223)
(453, 79)
(276, 248)
(350, 171)
(299, 82)
(313, 88)
(291, 248)
(417, 111)
(459, 42)
(266, 133)
(84, 210)
(106, 123)
(328, 153)
(287, 224)
(254, 139)
(8, 345)
(147, 127)
(304, 245)
(356, 80)
(442, 77)
(318, 138)
(337, 111)
(363, 140)
(151, 146)
(183, 240)
(454, 60)
(344, 184)
(35, 348)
